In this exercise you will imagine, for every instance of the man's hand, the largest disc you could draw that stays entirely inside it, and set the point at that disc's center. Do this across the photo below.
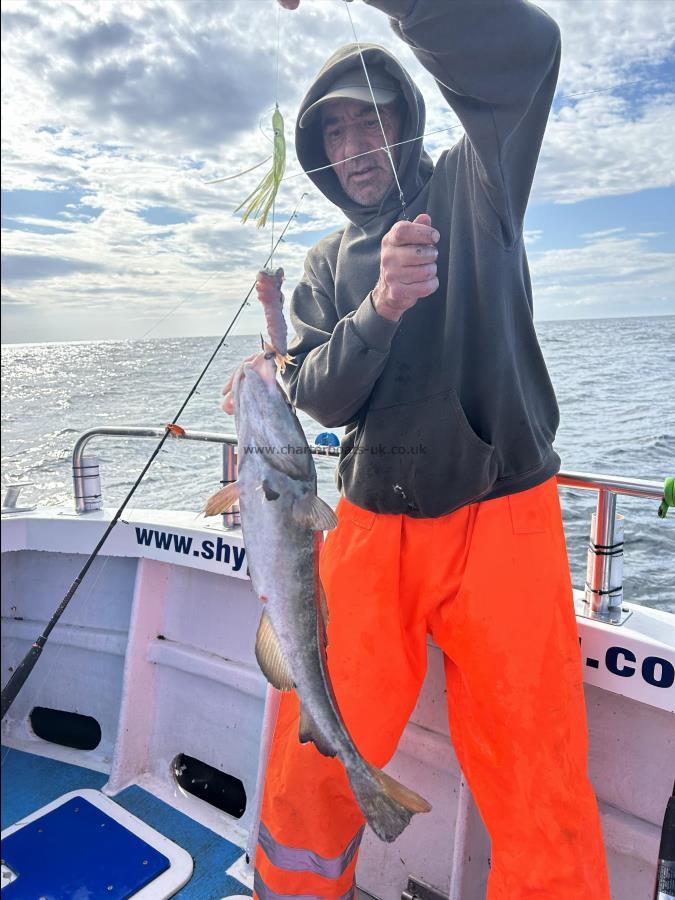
(407, 267)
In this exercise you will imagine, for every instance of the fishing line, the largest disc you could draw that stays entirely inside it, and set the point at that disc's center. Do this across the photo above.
(366, 152)
(420, 137)
(25, 667)
(602, 90)
(276, 83)
(23, 670)
(349, 159)
(379, 119)
(245, 171)
(276, 104)
(179, 304)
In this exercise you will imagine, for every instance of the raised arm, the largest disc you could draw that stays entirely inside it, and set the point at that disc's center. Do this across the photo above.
(337, 361)
(496, 63)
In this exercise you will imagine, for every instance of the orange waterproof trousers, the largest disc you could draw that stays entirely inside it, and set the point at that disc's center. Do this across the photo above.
(490, 583)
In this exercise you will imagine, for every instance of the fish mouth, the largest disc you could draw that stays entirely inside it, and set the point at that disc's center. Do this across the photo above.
(253, 379)
(245, 377)
(260, 372)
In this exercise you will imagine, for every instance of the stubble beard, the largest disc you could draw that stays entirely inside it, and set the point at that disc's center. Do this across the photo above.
(369, 195)
(374, 190)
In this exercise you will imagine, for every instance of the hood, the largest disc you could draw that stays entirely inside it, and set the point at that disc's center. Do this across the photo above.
(414, 166)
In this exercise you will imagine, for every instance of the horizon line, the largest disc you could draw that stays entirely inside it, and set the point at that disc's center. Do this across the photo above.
(257, 333)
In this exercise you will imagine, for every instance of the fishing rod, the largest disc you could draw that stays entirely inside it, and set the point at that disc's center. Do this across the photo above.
(25, 667)
(27, 664)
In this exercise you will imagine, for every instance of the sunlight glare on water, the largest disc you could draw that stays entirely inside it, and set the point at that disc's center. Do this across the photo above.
(616, 418)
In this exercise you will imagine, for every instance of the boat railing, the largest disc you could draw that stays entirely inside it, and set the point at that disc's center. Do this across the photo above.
(604, 574)
(603, 592)
(86, 469)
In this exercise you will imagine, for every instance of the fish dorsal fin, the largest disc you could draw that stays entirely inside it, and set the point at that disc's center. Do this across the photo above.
(313, 513)
(271, 657)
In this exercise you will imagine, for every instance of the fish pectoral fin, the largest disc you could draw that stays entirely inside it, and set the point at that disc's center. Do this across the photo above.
(314, 513)
(309, 732)
(271, 657)
(223, 500)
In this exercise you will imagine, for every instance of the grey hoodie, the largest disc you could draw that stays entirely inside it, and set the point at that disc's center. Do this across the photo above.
(453, 403)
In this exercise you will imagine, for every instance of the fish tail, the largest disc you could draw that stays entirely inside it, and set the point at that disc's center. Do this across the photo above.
(386, 803)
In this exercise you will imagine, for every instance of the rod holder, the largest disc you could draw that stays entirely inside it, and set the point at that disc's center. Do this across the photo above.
(87, 484)
(604, 565)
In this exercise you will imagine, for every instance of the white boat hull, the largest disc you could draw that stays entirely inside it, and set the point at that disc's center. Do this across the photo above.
(157, 646)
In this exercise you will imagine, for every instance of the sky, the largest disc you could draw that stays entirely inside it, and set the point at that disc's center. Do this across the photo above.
(116, 114)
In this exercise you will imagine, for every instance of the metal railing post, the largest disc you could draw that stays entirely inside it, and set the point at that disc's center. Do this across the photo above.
(603, 595)
(231, 517)
(604, 571)
(87, 484)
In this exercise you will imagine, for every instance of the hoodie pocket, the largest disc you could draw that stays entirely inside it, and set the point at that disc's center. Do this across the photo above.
(421, 458)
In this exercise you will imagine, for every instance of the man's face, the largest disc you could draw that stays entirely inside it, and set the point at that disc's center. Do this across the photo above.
(350, 127)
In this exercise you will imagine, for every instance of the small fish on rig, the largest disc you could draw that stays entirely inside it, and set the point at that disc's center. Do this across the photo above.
(282, 519)
(268, 285)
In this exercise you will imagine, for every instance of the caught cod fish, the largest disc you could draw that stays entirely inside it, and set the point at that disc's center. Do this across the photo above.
(281, 516)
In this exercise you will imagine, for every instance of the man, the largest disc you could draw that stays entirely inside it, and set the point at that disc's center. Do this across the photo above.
(418, 337)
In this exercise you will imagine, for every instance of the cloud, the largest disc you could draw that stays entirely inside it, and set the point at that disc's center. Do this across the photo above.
(13, 303)
(93, 42)
(18, 20)
(607, 232)
(155, 73)
(608, 275)
(31, 223)
(532, 236)
(604, 146)
(116, 115)
(31, 267)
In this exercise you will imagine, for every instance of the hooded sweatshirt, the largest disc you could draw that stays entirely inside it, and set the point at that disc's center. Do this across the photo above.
(453, 403)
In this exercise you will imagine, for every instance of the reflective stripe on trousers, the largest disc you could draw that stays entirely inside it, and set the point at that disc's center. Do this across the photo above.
(490, 583)
(303, 873)
(298, 860)
(261, 892)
